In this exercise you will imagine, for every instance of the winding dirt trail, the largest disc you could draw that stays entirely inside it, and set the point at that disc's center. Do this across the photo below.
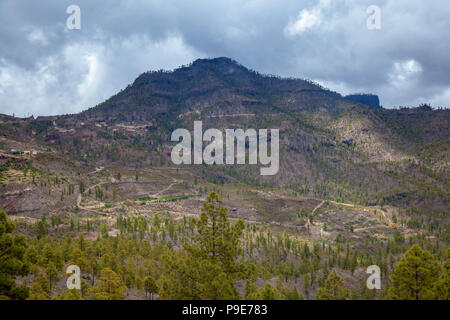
(174, 182)
(365, 209)
(308, 222)
(113, 180)
(79, 198)
(166, 189)
(318, 206)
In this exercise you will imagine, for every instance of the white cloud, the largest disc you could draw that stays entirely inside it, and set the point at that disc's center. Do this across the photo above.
(86, 73)
(405, 70)
(48, 69)
(306, 19)
(37, 36)
(441, 99)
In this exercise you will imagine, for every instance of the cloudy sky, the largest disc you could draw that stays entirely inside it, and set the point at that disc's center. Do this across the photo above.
(46, 68)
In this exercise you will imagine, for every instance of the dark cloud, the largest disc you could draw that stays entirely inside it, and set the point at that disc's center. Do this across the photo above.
(47, 69)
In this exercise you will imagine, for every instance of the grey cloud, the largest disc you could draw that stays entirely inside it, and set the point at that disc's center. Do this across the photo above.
(47, 69)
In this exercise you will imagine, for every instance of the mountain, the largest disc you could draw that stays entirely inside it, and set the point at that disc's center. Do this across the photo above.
(357, 185)
(331, 147)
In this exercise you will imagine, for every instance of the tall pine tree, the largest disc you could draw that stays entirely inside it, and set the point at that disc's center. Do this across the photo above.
(415, 276)
(208, 267)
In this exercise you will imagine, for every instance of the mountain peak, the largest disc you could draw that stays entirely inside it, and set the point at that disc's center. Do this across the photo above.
(215, 61)
(221, 64)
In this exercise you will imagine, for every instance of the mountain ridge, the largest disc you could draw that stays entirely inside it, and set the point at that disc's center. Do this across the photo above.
(329, 146)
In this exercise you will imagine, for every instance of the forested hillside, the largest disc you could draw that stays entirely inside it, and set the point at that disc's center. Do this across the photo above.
(211, 258)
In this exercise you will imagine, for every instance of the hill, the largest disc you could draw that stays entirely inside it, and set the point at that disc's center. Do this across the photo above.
(357, 185)
(330, 147)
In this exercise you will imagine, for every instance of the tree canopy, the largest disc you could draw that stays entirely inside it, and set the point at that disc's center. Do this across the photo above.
(415, 276)
(12, 262)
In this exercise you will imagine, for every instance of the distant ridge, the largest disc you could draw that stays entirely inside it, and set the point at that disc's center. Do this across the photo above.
(370, 100)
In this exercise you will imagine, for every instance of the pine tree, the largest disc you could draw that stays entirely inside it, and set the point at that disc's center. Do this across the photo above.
(40, 289)
(12, 261)
(415, 276)
(81, 186)
(250, 288)
(334, 289)
(189, 277)
(207, 268)
(71, 294)
(42, 227)
(150, 287)
(268, 292)
(180, 279)
(291, 293)
(443, 285)
(52, 274)
(92, 267)
(217, 238)
(109, 287)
